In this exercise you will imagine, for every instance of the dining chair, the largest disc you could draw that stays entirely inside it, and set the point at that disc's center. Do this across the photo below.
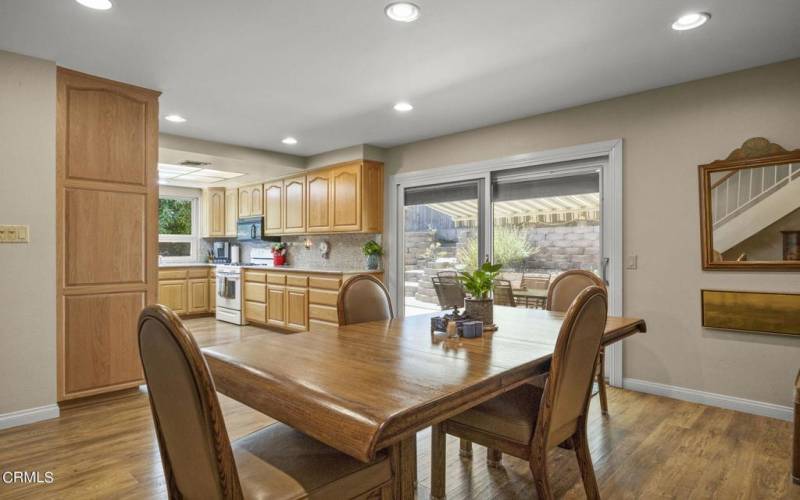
(504, 293)
(796, 447)
(563, 289)
(529, 420)
(535, 282)
(449, 292)
(198, 459)
(363, 298)
(447, 274)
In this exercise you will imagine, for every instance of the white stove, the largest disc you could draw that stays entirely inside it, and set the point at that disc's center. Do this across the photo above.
(229, 286)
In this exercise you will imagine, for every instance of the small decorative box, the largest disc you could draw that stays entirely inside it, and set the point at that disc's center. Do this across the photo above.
(471, 329)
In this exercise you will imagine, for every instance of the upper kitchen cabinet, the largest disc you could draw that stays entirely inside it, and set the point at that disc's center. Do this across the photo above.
(318, 201)
(273, 208)
(214, 199)
(294, 205)
(357, 197)
(250, 201)
(231, 212)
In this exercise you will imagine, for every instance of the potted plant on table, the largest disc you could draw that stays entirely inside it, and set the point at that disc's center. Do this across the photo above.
(373, 250)
(279, 254)
(479, 283)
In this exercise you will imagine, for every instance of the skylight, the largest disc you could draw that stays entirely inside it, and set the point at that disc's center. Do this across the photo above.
(197, 175)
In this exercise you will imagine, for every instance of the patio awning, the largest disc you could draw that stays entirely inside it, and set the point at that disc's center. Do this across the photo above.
(468, 209)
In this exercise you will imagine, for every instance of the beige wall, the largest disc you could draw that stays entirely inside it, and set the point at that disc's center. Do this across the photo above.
(359, 152)
(667, 133)
(27, 196)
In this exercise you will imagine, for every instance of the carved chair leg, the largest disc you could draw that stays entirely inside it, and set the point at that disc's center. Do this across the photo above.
(585, 462)
(601, 381)
(438, 460)
(494, 457)
(538, 465)
(465, 450)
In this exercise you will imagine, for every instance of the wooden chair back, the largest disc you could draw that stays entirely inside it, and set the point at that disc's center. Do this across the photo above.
(363, 298)
(447, 274)
(449, 292)
(535, 281)
(568, 388)
(195, 450)
(503, 293)
(567, 285)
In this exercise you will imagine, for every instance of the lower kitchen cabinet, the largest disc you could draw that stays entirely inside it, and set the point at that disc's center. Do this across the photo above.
(172, 293)
(297, 309)
(198, 295)
(276, 305)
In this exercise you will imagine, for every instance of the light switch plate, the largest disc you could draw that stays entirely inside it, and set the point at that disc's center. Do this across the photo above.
(14, 234)
(631, 262)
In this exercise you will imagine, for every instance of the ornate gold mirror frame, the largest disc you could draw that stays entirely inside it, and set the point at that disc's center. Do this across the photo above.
(755, 152)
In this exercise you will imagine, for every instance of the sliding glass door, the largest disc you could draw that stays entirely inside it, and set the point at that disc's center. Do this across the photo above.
(442, 233)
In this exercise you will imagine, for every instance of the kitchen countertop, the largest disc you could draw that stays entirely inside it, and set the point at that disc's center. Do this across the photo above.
(275, 269)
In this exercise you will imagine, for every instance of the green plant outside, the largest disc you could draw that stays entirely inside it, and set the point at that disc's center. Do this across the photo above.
(480, 281)
(511, 248)
(174, 216)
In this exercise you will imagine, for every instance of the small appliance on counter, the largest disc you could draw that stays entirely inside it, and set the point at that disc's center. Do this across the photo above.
(220, 252)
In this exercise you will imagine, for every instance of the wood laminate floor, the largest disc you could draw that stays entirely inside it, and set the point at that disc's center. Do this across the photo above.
(650, 448)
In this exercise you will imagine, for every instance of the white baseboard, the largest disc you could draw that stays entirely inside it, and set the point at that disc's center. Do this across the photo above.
(28, 416)
(710, 398)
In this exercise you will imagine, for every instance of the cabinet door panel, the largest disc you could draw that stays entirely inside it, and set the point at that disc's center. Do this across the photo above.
(346, 182)
(297, 308)
(276, 304)
(231, 212)
(255, 311)
(212, 294)
(273, 204)
(244, 202)
(294, 209)
(215, 212)
(256, 205)
(318, 201)
(198, 295)
(172, 293)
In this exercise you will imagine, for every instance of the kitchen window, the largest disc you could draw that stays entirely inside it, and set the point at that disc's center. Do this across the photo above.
(177, 229)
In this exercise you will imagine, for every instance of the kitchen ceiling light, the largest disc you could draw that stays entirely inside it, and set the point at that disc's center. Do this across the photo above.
(290, 141)
(403, 107)
(96, 4)
(175, 118)
(404, 12)
(691, 21)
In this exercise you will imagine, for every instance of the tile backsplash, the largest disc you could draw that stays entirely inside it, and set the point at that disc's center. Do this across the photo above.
(345, 250)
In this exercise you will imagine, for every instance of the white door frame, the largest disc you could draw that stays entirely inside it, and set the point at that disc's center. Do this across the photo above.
(611, 207)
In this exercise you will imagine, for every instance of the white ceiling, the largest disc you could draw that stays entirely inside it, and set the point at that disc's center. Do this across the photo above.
(251, 72)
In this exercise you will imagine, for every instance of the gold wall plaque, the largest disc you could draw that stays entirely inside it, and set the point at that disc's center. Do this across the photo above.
(763, 312)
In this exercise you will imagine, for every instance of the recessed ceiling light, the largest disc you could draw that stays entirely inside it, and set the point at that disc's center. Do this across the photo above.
(175, 118)
(403, 12)
(96, 4)
(691, 21)
(289, 140)
(403, 107)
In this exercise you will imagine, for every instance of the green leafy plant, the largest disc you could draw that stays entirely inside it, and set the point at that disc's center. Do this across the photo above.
(372, 247)
(279, 248)
(480, 281)
(511, 248)
(174, 216)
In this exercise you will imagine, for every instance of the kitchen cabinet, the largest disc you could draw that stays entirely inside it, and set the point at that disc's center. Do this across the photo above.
(197, 291)
(214, 199)
(212, 294)
(250, 201)
(254, 296)
(172, 293)
(231, 212)
(273, 208)
(297, 308)
(357, 197)
(276, 305)
(294, 205)
(318, 201)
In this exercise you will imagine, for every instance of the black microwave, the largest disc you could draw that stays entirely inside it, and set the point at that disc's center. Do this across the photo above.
(251, 228)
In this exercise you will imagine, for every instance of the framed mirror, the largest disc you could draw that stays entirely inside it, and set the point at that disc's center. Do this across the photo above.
(750, 209)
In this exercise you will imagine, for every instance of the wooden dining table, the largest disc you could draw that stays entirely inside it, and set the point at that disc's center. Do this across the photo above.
(368, 388)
